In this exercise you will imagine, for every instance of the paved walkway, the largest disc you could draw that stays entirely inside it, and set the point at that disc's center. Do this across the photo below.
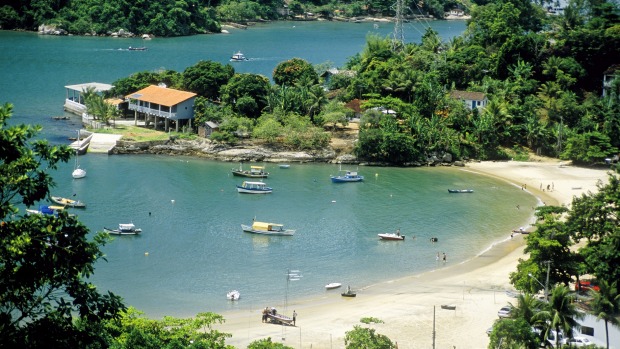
(103, 143)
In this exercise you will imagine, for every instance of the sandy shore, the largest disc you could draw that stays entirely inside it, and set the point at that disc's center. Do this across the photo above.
(476, 287)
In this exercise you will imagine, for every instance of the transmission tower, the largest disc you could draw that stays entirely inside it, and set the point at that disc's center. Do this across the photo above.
(399, 36)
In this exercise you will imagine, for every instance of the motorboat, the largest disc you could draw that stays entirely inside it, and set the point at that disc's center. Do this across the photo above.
(391, 236)
(238, 57)
(348, 176)
(284, 165)
(333, 285)
(448, 306)
(248, 187)
(349, 293)
(254, 172)
(233, 295)
(124, 229)
(131, 48)
(267, 229)
(68, 202)
(457, 191)
(279, 319)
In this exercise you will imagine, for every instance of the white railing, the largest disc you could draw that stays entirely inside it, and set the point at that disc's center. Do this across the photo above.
(150, 111)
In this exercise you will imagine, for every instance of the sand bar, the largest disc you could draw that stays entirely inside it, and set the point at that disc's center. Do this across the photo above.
(476, 287)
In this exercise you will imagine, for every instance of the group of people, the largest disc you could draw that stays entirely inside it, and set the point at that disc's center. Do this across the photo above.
(444, 257)
(272, 311)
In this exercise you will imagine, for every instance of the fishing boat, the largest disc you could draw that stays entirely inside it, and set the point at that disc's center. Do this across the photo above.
(349, 293)
(248, 187)
(391, 236)
(348, 176)
(68, 202)
(265, 228)
(333, 285)
(254, 172)
(233, 295)
(279, 319)
(238, 57)
(458, 191)
(46, 210)
(124, 229)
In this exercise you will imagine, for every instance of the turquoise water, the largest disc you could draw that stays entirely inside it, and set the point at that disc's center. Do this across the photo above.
(192, 250)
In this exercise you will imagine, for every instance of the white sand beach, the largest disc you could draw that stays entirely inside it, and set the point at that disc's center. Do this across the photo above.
(476, 287)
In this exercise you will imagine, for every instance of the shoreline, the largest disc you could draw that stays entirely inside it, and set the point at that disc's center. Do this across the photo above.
(477, 287)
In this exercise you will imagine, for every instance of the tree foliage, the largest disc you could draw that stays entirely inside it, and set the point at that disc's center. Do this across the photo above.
(363, 337)
(45, 261)
(206, 77)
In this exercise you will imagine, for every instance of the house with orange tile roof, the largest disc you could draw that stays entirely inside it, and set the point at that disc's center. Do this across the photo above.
(158, 104)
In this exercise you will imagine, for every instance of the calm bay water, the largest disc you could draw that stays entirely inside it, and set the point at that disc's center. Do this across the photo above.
(190, 211)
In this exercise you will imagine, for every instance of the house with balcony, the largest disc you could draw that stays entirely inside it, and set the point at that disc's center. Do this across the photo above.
(472, 100)
(162, 106)
(74, 100)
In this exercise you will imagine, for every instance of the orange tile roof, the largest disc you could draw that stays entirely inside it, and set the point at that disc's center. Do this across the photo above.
(161, 95)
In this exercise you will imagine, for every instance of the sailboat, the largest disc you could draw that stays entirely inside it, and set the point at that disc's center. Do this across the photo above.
(78, 172)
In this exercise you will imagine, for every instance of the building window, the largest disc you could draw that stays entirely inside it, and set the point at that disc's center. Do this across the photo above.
(588, 331)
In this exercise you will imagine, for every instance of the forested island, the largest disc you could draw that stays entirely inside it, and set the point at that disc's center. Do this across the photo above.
(550, 86)
(177, 18)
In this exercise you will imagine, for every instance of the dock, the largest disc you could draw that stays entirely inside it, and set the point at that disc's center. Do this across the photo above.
(101, 143)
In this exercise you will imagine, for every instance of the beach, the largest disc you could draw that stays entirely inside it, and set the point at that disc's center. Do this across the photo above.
(409, 308)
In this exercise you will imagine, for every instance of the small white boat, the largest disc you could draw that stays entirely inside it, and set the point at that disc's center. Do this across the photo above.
(233, 295)
(267, 229)
(238, 57)
(284, 165)
(124, 229)
(391, 236)
(333, 285)
(248, 187)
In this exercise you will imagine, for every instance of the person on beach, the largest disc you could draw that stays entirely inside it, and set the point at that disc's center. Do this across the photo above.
(294, 317)
(265, 312)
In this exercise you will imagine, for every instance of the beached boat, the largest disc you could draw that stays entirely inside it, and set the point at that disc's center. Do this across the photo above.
(458, 191)
(248, 187)
(124, 229)
(254, 172)
(333, 285)
(391, 236)
(448, 307)
(238, 57)
(233, 295)
(267, 229)
(68, 202)
(349, 293)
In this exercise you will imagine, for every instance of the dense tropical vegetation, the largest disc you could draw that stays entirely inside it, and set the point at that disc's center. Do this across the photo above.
(187, 17)
(542, 75)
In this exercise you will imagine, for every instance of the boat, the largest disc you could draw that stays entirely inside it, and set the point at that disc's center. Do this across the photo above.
(124, 229)
(391, 236)
(238, 57)
(333, 285)
(68, 202)
(460, 190)
(248, 187)
(279, 319)
(137, 48)
(77, 171)
(254, 172)
(448, 307)
(267, 229)
(46, 210)
(284, 165)
(349, 293)
(233, 295)
(348, 176)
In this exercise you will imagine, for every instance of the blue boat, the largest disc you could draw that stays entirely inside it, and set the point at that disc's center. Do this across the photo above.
(347, 177)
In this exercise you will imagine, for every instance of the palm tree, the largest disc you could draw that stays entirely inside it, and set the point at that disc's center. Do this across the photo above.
(527, 307)
(560, 313)
(606, 305)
